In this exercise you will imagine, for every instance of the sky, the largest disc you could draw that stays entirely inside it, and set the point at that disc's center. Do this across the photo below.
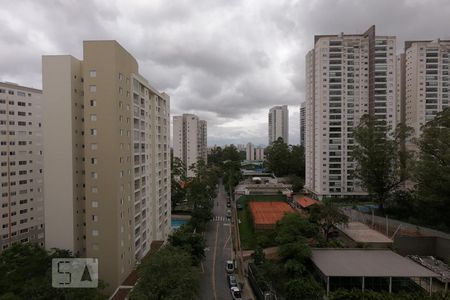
(228, 61)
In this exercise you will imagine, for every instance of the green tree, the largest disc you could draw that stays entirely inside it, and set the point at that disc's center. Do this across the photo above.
(231, 153)
(379, 159)
(303, 288)
(26, 274)
(432, 172)
(191, 242)
(169, 275)
(297, 161)
(278, 158)
(178, 181)
(258, 256)
(327, 216)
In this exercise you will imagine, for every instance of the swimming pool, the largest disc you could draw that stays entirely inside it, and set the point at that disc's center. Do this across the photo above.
(177, 223)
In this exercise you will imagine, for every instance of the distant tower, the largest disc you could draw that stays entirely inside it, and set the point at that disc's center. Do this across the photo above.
(279, 123)
(250, 152)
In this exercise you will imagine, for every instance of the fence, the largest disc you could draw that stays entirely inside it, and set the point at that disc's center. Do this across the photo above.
(259, 294)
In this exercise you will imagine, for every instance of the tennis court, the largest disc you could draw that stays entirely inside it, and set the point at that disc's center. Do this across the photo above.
(267, 214)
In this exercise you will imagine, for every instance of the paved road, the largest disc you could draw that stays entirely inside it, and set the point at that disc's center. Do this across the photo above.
(213, 283)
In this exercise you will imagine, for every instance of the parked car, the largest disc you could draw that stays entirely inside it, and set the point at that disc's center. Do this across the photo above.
(228, 204)
(236, 293)
(230, 266)
(229, 213)
(232, 281)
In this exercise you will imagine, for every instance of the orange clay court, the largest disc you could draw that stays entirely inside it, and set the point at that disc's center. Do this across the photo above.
(267, 214)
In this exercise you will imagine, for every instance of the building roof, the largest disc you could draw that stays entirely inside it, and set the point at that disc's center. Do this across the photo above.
(367, 263)
(305, 201)
(361, 233)
(269, 213)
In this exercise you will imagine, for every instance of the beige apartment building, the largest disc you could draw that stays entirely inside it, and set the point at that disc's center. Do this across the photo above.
(347, 76)
(21, 164)
(259, 153)
(427, 82)
(107, 158)
(190, 142)
(250, 152)
(278, 123)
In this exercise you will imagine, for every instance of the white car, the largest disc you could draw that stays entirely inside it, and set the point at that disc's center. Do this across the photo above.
(230, 266)
(236, 293)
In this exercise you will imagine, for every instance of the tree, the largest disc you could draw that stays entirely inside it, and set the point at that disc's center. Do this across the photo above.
(297, 161)
(278, 158)
(379, 158)
(26, 274)
(258, 256)
(432, 172)
(231, 153)
(327, 216)
(193, 243)
(178, 181)
(168, 275)
(303, 288)
(293, 227)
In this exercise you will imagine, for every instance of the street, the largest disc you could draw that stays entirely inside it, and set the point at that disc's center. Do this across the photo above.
(213, 282)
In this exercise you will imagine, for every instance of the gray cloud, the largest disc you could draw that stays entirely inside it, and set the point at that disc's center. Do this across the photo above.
(227, 61)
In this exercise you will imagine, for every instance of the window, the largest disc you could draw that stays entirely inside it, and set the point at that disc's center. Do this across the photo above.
(94, 204)
(93, 88)
(94, 147)
(94, 175)
(94, 232)
(94, 218)
(94, 161)
(93, 117)
(93, 131)
(93, 103)
(93, 73)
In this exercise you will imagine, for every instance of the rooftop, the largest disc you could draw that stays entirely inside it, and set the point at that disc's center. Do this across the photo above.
(367, 263)
(305, 201)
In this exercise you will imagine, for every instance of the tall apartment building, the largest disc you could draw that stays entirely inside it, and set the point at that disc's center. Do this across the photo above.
(426, 71)
(190, 140)
(302, 123)
(22, 199)
(107, 158)
(279, 123)
(347, 76)
(259, 153)
(250, 152)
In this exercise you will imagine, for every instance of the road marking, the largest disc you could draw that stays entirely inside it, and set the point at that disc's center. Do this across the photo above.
(214, 263)
(228, 239)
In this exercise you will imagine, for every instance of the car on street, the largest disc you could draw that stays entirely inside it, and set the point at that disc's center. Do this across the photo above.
(229, 266)
(232, 280)
(229, 213)
(228, 204)
(236, 293)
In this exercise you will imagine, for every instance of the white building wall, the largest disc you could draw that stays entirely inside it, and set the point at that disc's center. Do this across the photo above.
(250, 152)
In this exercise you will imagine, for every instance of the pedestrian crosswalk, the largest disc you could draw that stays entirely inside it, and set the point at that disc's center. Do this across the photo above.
(220, 219)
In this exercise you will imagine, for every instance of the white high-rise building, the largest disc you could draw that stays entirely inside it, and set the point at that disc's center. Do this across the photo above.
(302, 123)
(107, 158)
(347, 76)
(259, 153)
(279, 123)
(250, 152)
(21, 166)
(426, 81)
(189, 140)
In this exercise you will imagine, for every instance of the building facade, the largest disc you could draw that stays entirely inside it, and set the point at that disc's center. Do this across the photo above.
(190, 142)
(21, 166)
(250, 152)
(107, 163)
(302, 123)
(279, 123)
(347, 76)
(259, 153)
(427, 82)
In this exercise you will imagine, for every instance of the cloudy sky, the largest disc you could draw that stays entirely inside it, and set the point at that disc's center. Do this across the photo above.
(228, 61)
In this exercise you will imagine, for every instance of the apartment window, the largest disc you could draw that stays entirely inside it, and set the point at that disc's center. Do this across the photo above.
(93, 88)
(93, 73)
(94, 160)
(120, 76)
(94, 232)
(93, 103)
(93, 131)
(93, 117)
(94, 204)
(94, 190)
(94, 175)
(94, 147)
(94, 218)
